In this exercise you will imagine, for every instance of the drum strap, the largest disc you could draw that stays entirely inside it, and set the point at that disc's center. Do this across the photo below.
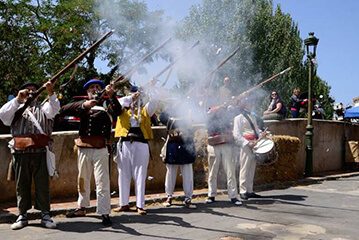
(251, 123)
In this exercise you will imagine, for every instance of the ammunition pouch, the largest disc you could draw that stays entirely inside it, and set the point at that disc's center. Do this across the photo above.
(31, 141)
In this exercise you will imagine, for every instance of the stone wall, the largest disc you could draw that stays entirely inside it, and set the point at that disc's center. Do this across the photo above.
(330, 141)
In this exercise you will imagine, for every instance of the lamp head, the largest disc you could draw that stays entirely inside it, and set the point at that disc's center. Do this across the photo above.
(311, 44)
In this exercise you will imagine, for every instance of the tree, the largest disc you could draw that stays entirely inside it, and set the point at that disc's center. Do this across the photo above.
(38, 38)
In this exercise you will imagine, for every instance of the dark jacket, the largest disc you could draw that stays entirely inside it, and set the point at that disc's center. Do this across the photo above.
(220, 120)
(295, 102)
(180, 146)
(94, 122)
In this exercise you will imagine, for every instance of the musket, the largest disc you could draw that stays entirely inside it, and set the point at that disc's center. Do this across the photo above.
(209, 75)
(123, 77)
(54, 79)
(72, 77)
(62, 86)
(259, 85)
(167, 77)
(175, 61)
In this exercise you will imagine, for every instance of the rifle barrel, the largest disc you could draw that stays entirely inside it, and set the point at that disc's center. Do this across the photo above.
(122, 78)
(175, 61)
(220, 65)
(264, 82)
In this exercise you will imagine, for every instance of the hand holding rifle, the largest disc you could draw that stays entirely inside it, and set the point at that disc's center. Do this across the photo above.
(24, 94)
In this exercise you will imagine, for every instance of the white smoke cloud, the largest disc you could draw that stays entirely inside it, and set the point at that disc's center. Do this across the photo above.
(192, 66)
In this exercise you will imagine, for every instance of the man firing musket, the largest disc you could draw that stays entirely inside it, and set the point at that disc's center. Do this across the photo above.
(31, 127)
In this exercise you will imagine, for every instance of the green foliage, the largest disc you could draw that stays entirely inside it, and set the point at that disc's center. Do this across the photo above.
(38, 38)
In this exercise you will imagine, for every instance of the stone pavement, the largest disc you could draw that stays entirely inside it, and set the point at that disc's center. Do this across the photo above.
(8, 211)
(313, 208)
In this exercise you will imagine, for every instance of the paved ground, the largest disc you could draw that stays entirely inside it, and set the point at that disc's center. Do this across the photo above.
(325, 209)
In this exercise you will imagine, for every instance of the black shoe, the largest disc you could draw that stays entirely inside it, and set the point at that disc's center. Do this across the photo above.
(78, 212)
(253, 195)
(210, 200)
(106, 220)
(188, 203)
(243, 196)
(168, 202)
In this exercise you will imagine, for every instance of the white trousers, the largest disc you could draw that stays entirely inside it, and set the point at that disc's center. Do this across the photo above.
(94, 160)
(187, 179)
(223, 154)
(132, 162)
(247, 170)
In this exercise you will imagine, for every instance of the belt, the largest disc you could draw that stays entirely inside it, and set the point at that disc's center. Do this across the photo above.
(30, 150)
(91, 142)
(133, 137)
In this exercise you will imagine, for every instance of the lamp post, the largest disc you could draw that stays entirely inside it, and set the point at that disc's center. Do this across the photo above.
(311, 46)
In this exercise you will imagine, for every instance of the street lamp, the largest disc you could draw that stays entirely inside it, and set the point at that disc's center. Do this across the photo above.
(311, 46)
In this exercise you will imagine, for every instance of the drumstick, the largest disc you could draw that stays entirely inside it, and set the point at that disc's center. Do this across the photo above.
(259, 138)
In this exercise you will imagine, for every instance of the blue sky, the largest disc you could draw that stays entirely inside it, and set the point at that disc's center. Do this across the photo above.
(334, 22)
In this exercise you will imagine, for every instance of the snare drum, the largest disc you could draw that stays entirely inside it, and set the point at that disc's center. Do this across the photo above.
(265, 152)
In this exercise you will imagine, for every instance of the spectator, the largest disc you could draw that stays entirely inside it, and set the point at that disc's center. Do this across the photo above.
(276, 109)
(295, 103)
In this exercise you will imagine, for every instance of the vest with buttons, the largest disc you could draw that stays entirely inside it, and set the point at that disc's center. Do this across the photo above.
(123, 124)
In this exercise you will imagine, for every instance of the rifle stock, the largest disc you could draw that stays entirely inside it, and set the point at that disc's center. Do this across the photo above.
(53, 80)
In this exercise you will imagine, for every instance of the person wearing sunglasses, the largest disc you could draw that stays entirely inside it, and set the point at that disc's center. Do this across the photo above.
(276, 109)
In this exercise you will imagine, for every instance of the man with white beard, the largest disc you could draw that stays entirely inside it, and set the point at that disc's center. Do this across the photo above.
(94, 135)
(133, 128)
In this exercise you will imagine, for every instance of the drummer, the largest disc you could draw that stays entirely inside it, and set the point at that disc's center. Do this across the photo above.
(246, 133)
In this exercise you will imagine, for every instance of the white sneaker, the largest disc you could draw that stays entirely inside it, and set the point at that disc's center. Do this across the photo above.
(21, 222)
(47, 222)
